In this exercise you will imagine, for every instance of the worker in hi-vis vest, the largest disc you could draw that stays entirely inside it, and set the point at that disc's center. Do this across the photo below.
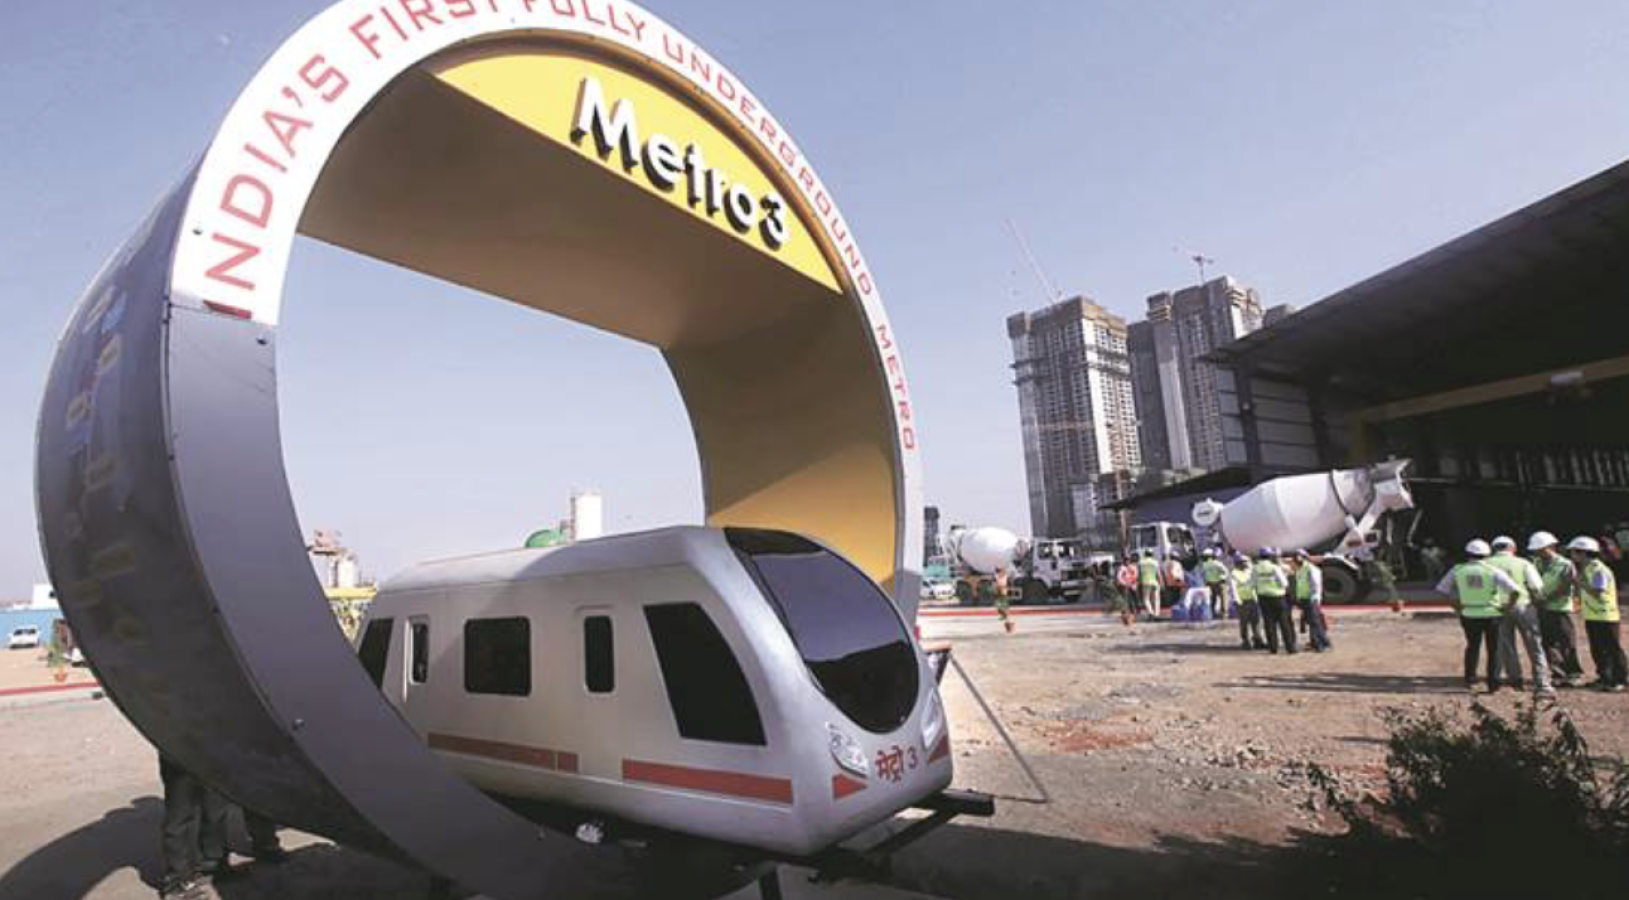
(1215, 577)
(1557, 598)
(1478, 593)
(1243, 581)
(1272, 585)
(1148, 584)
(1598, 595)
(1520, 621)
(1309, 595)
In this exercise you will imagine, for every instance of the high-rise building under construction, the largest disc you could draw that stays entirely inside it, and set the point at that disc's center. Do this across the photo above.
(1076, 410)
(1181, 423)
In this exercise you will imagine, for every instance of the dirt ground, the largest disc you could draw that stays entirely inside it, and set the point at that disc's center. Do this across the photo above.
(81, 805)
(1175, 761)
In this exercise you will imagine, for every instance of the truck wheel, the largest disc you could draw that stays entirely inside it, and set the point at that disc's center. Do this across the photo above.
(1341, 586)
(1036, 592)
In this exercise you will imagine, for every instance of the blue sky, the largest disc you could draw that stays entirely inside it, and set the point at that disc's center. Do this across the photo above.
(1304, 146)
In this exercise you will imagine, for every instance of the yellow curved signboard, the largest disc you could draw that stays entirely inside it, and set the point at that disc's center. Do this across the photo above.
(648, 136)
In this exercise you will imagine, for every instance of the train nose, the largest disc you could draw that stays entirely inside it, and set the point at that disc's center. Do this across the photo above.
(893, 766)
(854, 757)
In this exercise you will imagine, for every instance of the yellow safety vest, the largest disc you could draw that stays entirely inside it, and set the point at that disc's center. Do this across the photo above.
(1213, 571)
(1603, 606)
(1478, 589)
(1148, 573)
(1516, 568)
(1559, 589)
(1303, 581)
(1267, 585)
(1245, 584)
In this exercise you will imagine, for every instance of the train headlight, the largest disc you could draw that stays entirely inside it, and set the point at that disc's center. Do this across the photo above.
(846, 752)
(933, 722)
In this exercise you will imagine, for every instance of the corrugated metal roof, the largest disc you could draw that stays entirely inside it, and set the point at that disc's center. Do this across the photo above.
(1543, 287)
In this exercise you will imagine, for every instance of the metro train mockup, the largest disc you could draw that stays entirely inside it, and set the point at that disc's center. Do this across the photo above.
(745, 686)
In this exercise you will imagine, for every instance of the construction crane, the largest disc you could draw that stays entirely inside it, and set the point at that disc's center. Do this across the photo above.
(1053, 295)
(1198, 259)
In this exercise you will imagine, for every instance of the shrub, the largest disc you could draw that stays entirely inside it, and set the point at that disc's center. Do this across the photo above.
(1498, 807)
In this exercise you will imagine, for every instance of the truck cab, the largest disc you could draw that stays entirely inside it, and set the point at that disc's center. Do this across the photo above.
(1057, 569)
(1165, 539)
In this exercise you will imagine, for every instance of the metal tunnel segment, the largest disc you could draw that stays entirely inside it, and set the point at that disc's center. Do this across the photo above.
(165, 513)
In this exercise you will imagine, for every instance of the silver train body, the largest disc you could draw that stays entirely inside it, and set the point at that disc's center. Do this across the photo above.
(744, 686)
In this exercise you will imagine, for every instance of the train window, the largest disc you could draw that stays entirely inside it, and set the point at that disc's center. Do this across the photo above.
(375, 649)
(418, 670)
(710, 696)
(498, 656)
(845, 627)
(599, 655)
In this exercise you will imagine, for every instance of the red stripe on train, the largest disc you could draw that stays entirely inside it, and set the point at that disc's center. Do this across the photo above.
(236, 312)
(711, 781)
(842, 786)
(536, 757)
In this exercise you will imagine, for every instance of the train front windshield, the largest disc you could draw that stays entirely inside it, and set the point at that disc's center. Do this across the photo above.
(845, 628)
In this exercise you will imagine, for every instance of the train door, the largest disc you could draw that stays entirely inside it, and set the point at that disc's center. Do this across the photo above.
(595, 690)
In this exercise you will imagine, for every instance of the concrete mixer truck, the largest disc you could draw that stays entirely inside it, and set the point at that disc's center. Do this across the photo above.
(1334, 514)
(1040, 570)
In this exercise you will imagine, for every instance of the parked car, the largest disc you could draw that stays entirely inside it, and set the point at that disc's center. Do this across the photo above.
(938, 589)
(24, 638)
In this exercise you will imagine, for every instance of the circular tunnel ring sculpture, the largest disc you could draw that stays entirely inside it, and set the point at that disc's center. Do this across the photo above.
(399, 129)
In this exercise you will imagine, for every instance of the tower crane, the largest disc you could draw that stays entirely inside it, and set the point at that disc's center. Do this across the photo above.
(1053, 295)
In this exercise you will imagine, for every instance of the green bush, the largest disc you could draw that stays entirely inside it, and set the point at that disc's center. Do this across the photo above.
(1496, 807)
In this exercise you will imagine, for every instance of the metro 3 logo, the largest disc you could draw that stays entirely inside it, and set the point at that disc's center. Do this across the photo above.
(665, 166)
(894, 762)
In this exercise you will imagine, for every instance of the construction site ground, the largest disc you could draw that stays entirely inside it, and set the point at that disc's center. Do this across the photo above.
(1176, 761)
(1176, 764)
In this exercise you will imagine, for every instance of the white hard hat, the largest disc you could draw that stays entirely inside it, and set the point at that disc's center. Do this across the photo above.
(1478, 547)
(1504, 542)
(1586, 544)
(1540, 540)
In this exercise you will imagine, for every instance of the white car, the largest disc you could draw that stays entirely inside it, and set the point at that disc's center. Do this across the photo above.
(938, 590)
(24, 638)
